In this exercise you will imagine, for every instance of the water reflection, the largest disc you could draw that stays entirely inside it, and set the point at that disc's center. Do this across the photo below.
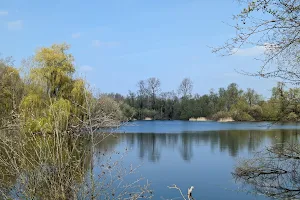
(151, 145)
(47, 167)
(162, 150)
(273, 172)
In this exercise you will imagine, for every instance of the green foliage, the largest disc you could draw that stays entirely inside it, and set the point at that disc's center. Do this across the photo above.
(78, 97)
(110, 108)
(11, 87)
(54, 100)
(241, 116)
(221, 114)
(240, 105)
(148, 113)
(256, 112)
(230, 102)
(32, 106)
(55, 69)
(60, 111)
(270, 110)
(50, 92)
(292, 117)
(187, 110)
(127, 111)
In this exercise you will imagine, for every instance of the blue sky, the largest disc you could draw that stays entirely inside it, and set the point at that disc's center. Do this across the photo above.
(118, 43)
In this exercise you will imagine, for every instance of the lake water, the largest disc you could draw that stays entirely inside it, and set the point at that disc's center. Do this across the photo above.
(199, 154)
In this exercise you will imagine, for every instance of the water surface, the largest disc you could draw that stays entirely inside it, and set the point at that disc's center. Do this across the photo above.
(202, 154)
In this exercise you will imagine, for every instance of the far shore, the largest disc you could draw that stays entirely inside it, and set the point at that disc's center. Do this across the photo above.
(198, 119)
(202, 119)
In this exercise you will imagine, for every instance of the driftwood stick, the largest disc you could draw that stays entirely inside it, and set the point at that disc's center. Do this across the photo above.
(189, 195)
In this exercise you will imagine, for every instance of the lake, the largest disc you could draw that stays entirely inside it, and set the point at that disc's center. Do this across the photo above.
(199, 154)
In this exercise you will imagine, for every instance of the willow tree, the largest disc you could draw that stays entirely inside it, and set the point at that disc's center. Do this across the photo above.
(52, 90)
(55, 69)
(11, 87)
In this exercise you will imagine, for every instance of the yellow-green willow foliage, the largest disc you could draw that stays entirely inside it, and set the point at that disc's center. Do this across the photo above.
(79, 96)
(55, 69)
(11, 89)
(54, 98)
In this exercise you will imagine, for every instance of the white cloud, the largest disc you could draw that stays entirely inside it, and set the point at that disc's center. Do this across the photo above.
(98, 43)
(15, 25)
(252, 51)
(3, 12)
(76, 35)
(86, 68)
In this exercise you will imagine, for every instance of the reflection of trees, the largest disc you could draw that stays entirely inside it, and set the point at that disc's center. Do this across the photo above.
(108, 144)
(150, 144)
(41, 167)
(172, 140)
(274, 172)
(232, 141)
(186, 149)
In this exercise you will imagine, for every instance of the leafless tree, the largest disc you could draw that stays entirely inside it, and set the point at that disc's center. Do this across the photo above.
(153, 88)
(143, 89)
(274, 172)
(274, 27)
(186, 87)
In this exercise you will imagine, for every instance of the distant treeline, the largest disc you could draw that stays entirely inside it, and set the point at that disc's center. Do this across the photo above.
(240, 105)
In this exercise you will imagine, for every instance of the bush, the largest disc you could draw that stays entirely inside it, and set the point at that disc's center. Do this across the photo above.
(255, 112)
(220, 114)
(241, 116)
(108, 110)
(292, 117)
(128, 111)
(270, 110)
(149, 113)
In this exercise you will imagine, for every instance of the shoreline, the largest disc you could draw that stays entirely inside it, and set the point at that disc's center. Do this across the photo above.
(210, 120)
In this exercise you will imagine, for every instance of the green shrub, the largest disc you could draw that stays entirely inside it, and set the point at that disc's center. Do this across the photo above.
(128, 111)
(241, 116)
(255, 112)
(292, 117)
(220, 114)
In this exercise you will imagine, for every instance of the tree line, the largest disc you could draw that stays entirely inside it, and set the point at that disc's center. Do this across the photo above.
(241, 105)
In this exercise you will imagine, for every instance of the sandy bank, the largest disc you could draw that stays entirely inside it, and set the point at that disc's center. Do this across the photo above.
(226, 119)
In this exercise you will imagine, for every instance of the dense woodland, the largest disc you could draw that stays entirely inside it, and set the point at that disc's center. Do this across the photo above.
(232, 101)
